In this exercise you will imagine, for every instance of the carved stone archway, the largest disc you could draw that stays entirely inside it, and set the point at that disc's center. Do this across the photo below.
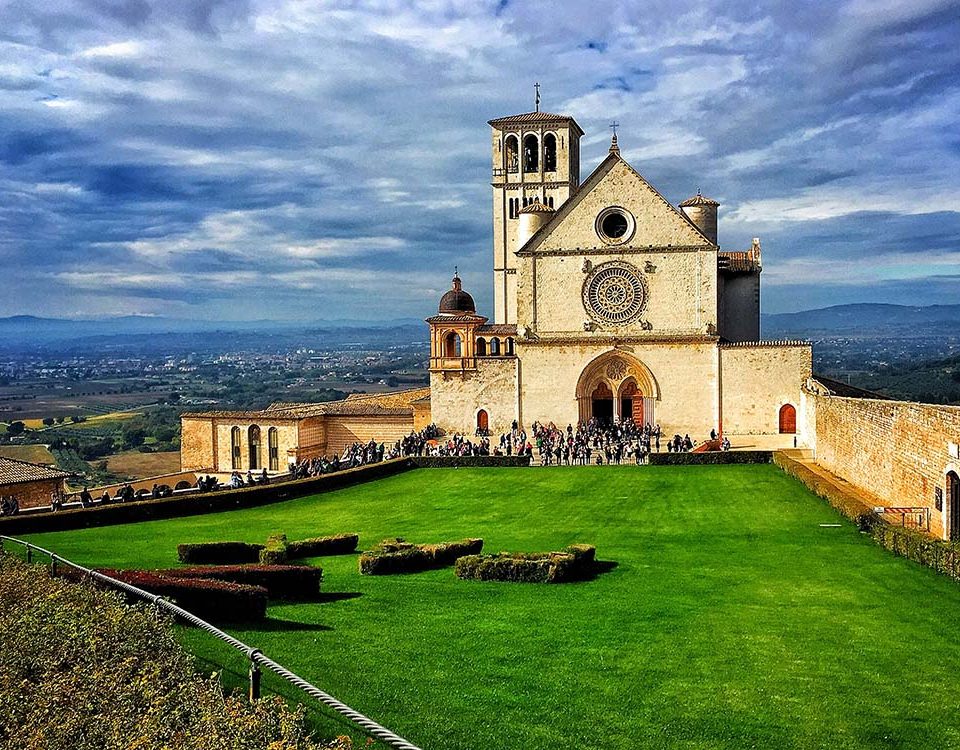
(625, 377)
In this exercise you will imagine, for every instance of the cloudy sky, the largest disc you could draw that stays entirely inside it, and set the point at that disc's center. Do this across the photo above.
(297, 159)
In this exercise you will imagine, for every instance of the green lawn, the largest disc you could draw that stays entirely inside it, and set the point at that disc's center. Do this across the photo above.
(732, 619)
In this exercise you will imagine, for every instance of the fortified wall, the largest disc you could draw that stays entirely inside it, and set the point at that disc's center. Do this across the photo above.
(900, 451)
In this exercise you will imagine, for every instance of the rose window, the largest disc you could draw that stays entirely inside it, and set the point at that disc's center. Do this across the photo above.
(614, 293)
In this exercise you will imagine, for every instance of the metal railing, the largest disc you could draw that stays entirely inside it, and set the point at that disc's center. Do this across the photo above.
(257, 658)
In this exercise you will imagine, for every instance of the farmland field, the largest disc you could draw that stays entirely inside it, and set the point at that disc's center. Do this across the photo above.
(141, 465)
(733, 618)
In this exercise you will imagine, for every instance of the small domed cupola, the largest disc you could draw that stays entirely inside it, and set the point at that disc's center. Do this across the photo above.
(456, 301)
(702, 211)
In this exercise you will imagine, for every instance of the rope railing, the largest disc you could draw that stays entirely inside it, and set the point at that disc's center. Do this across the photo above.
(257, 658)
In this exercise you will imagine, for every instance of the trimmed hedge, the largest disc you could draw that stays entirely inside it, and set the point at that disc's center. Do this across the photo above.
(571, 564)
(275, 551)
(710, 458)
(453, 462)
(339, 544)
(280, 581)
(198, 503)
(219, 553)
(398, 556)
(204, 597)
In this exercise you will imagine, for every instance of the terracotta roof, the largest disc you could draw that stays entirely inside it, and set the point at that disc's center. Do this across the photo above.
(17, 472)
(533, 117)
(536, 208)
(699, 200)
(739, 261)
(501, 329)
(455, 318)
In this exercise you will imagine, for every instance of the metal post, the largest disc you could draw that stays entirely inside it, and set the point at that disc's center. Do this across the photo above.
(254, 681)
(53, 566)
(29, 554)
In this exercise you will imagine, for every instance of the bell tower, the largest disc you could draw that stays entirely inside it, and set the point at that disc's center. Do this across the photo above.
(536, 158)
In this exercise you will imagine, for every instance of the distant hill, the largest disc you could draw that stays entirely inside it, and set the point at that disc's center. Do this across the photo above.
(863, 319)
(21, 331)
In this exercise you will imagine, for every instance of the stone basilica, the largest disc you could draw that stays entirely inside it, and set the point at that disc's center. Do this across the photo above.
(609, 303)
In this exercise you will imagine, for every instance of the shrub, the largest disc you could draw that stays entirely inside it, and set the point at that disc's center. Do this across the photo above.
(573, 563)
(80, 669)
(398, 556)
(208, 599)
(280, 581)
(219, 553)
(340, 544)
(275, 551)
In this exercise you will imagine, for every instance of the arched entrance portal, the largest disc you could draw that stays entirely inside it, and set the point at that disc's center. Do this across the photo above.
(953, 495)
(617, 386)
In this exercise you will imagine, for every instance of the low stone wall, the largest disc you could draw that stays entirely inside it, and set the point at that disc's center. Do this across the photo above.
(897, 450)
(710, 458)
(196, 504)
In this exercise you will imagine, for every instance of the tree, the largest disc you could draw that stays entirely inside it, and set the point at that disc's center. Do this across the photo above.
(48, 421)
(16, 428)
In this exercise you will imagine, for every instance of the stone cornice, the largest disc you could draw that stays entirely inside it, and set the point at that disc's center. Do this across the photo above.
(615, 250)
(525, 184)
(611, 340)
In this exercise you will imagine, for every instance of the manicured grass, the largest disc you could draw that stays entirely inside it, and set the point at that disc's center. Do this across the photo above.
(731, 620)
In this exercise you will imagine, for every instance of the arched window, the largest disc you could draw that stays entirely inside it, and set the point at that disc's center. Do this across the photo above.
(235, 449)
(531, 153)
(253, 444)
(481, 347)
(494, 347)
(452, 345)
(788, 419)
(512, 160)
(510, 347)
(550, 201)
(483, 421)
(549, 153)
(273, 447)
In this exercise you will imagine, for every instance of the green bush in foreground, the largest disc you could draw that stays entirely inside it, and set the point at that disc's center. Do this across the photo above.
(80, 669)
(574, 563)
(398, 556)
(275, 551)
(339, 544)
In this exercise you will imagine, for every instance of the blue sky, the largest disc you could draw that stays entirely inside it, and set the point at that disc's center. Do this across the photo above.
(301, 160)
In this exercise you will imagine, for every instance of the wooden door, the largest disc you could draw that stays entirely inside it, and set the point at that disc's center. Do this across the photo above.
(788, 419)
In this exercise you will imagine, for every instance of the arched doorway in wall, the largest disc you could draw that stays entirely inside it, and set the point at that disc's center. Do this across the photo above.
(601, 404)
(483, 422)
(253, 442)
(627, 382)
(953, 498)
(788, 419)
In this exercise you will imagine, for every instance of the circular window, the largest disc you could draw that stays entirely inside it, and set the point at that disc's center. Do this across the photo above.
(614, 293)
(615, 225)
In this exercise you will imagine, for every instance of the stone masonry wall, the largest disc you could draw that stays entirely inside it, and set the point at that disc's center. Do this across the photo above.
(196, 444)
(758, 380)
(32, 494)
(898, 450)
(343, 431)
(455, 398)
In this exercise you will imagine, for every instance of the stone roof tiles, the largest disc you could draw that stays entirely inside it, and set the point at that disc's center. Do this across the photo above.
(530, 118)
(13, 471)
(536, 208)
(699, 200)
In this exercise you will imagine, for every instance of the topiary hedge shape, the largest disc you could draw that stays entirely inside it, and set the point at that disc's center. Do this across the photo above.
(219, 553)
(573, 563)
(339, 544)
(280, 581)
(398, 556)
(275, 551)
